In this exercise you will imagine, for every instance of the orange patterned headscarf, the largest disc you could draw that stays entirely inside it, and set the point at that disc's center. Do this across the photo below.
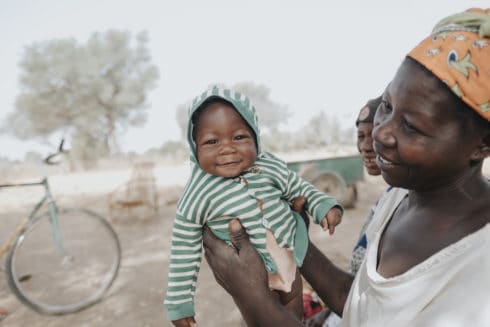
(458, 53)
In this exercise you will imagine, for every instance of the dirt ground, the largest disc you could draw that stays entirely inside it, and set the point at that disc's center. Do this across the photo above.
(136, 298)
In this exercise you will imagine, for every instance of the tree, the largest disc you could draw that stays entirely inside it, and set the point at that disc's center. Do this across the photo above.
(323, 130)
(181, 114)
(271, 114)
(92, 91)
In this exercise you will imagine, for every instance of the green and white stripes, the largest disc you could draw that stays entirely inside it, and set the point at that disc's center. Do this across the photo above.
(259, 197)
(214, 200)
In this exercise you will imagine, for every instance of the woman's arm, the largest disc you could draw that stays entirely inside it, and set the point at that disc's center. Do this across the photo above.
(241, 272)
(331, 283)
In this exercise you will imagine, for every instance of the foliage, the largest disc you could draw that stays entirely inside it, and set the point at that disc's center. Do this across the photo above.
(319, 132)
(173, 147)
(93, 92)
(323, 129)
(181, 114)
(271, 114)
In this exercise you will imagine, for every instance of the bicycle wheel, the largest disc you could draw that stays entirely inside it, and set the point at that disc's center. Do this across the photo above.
(51, 282)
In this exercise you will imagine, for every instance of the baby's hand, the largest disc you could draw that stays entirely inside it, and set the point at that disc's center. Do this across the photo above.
(332, 219)
(185, 322)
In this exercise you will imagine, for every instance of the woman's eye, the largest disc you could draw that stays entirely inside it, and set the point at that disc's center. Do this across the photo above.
(384, 106)
(409, 127)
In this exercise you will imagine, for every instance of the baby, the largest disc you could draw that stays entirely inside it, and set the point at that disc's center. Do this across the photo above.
(232, 178)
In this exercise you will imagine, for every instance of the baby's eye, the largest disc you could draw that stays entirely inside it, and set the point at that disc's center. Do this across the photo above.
(241, 137)
(212, 141)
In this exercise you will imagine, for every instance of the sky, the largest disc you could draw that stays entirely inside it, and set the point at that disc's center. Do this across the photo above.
(313, 55)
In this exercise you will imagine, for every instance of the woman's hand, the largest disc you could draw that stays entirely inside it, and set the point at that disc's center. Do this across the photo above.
(185, 322)
(299, 205)
(241, 272)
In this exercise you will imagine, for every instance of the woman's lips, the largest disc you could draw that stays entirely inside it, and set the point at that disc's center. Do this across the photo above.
(369, 161)
(383, 162)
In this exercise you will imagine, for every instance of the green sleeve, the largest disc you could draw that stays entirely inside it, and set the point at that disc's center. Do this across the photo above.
(185, 260)
(317, 202)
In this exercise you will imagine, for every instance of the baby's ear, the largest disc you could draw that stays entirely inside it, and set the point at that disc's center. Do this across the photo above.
(483, 149)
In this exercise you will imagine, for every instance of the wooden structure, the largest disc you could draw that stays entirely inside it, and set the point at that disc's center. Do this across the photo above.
(136, 199)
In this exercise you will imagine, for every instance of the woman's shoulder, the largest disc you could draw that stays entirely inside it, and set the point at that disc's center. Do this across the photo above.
(390, 196)
(477, 206)
(384, 208)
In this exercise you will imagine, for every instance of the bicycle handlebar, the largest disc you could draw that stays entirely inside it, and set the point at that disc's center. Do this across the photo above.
(50, 159)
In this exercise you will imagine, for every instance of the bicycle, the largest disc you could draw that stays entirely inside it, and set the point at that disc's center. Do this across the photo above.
(61, 261)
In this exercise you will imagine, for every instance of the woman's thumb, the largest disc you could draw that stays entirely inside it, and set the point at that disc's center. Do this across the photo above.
(239, 236)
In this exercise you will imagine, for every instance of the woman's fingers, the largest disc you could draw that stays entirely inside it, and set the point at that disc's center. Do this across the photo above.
(209, 239)
(216, 252)
(239, 236)
(299, 205)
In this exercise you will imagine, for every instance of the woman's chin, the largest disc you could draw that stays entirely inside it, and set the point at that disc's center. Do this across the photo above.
(373, 169)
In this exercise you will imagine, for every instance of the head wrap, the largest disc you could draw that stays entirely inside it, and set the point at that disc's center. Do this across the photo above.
(366, 115)
(458, 53)
(239, 101)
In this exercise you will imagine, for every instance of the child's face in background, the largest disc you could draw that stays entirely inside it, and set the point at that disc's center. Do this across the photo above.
(225, 143)
(365, 147)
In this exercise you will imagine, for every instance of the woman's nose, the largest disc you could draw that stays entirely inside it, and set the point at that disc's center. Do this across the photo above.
(383, 133)
(367, 144)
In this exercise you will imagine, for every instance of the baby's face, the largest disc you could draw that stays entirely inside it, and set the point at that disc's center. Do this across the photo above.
(225, 143)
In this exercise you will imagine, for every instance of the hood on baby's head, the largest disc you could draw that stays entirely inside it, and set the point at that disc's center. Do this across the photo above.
(240, 102)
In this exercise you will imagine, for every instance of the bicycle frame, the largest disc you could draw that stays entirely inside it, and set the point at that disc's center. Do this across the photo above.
(53, 215)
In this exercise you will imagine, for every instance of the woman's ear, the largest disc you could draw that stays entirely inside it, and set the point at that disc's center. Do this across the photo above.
(483, 149)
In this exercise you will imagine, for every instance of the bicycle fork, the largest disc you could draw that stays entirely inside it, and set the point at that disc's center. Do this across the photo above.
(55, 226)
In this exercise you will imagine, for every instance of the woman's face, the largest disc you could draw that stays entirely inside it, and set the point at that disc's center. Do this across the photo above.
(365, 147)
(419, 141)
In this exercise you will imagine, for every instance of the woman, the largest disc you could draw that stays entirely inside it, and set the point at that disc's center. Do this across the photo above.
(427, 261)
(364, 125)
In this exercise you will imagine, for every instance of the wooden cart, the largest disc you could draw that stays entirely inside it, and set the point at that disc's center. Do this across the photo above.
(335, 176)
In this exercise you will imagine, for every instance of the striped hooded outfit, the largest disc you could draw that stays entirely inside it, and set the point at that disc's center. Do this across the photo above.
(259, 197)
